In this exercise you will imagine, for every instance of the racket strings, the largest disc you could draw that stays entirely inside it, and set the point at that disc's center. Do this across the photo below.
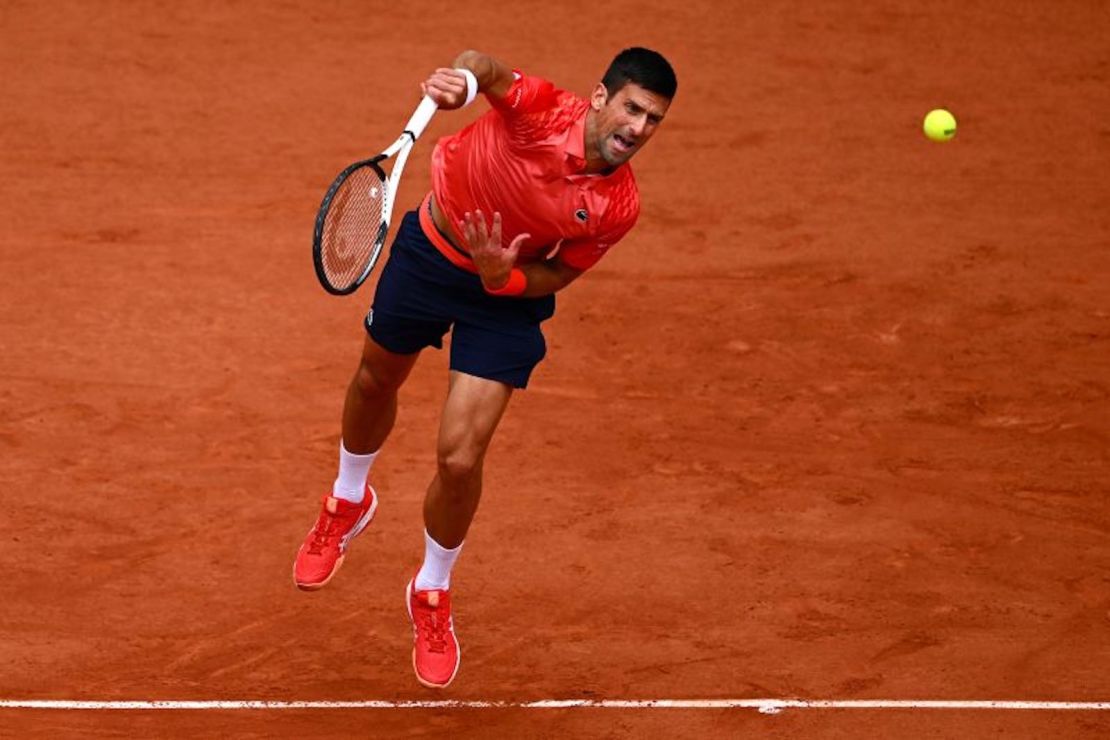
(351, 227)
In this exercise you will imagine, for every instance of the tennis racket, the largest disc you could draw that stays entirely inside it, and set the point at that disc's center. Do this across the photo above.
(353, 219)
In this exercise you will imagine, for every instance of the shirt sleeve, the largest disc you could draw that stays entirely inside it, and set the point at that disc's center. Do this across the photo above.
(582, 254)
(527, 94)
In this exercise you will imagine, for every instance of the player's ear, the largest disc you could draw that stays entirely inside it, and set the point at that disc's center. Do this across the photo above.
(599, 97)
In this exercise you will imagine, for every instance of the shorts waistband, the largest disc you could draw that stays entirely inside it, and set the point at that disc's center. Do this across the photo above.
(453, 254)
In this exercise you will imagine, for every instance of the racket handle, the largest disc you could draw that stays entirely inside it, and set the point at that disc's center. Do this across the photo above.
(421, 117)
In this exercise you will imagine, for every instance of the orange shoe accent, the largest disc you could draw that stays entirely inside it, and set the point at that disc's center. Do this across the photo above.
(435, 649)
(324, 548)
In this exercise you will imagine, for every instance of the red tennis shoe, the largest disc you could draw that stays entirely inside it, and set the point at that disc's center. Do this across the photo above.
(324, 548)
(435, 649)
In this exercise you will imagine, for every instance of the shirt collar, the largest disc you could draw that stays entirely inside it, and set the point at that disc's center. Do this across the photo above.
(576, 140)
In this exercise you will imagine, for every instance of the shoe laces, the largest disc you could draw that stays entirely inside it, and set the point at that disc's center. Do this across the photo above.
(326, 528)
(434, 626)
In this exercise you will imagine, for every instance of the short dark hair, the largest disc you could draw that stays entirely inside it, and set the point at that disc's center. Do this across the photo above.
(642, 67)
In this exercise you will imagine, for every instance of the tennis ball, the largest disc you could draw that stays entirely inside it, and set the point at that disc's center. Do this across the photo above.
(940, 125)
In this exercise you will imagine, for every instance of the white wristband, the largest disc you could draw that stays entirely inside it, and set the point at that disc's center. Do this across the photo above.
(471, 85)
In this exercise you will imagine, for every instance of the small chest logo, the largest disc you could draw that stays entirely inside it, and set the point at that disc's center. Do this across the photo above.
(582, 215)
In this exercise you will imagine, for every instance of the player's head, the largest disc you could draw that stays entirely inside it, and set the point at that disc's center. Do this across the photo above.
(629, 103)
(643, 67)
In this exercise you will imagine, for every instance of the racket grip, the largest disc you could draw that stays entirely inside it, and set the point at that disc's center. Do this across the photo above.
(421, 117)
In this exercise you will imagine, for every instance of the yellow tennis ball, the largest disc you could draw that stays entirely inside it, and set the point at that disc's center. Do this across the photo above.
(940, 125)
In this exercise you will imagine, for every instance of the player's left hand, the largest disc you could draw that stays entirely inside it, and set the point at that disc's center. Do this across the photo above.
(447, 87)
(493, 260)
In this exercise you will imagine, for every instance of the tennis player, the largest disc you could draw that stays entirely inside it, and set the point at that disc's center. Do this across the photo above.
(523, 201)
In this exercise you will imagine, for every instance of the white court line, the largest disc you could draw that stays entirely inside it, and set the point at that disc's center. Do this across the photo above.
(766, 706)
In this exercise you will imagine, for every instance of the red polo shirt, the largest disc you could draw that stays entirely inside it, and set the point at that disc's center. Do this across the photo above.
(525, 159)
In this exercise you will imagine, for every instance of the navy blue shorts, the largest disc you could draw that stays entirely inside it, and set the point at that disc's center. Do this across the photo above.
(421, 295)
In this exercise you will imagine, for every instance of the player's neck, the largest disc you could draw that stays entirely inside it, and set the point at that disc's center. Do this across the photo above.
(597, 167)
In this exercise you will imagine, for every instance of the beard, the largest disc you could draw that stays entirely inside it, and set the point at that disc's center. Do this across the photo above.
(614, 153)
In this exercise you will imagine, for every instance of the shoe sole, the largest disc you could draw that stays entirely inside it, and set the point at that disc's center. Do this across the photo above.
(458, 649)
(360, 525)
(320, 584)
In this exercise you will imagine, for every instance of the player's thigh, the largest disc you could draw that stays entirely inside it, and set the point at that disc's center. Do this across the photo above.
(471, 413)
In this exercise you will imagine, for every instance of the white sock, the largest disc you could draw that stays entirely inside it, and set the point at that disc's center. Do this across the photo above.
(438, 561)
(350, 485)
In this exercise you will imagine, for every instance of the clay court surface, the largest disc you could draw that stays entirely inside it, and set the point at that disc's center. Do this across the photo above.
(831, 423)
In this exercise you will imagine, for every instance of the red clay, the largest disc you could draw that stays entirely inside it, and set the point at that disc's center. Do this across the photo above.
(832, 422)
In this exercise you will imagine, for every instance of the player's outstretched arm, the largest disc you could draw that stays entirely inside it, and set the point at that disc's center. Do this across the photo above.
(447, 86)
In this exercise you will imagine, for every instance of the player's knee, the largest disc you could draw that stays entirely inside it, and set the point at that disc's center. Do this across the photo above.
(371, 381)
(459, 463)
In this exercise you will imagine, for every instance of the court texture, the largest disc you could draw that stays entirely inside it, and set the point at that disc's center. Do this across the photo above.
(824, 440)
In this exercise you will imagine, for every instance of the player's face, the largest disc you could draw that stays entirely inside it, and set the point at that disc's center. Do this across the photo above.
(624, 121)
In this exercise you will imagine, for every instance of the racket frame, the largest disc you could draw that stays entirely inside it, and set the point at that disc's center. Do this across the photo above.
(401, 149)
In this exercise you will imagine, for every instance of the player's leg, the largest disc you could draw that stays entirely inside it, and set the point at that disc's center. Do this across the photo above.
(470, 416)
(473, 409)
(405, 319)
(369, 412)
(370, 408)
(494, 349)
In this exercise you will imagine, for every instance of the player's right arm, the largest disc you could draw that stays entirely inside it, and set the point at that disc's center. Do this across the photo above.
(447, 86)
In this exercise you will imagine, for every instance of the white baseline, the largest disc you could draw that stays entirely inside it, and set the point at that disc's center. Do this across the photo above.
(766, 706)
